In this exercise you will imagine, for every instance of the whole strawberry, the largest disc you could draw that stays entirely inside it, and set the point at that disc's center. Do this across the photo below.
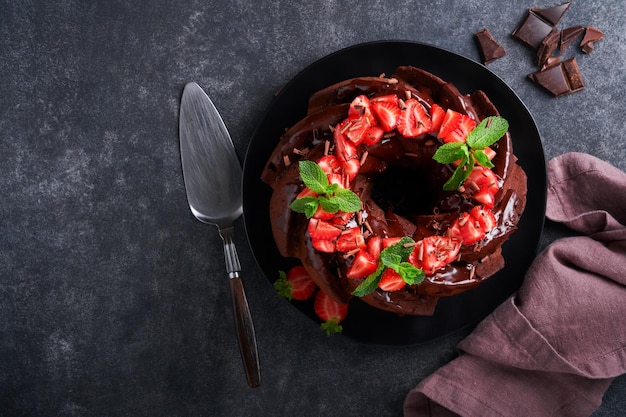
(296, 284)
(330, 312)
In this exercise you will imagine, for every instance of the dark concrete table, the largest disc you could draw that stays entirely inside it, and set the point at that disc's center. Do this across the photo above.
(113, 299)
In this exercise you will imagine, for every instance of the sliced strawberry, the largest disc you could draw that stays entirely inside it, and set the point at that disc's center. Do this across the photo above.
(296, 284)
(350, 239)
(341, 218)
(437, 113)
(482, 177)
(337, 178)
(330, 312)
(361, 107)
(455, 127)
(375, 246)
(373, 135)
(362, 266)
(324, 245)
(354, 129)
(391, 281)
(387, 111)
(484, 197)
(321, 229)
(414, 120)
(467, 229)
(306, 192)
(344, 148)
(484, 217)
(329, 164)
(434, 252)
(388, 241)
(351, 169)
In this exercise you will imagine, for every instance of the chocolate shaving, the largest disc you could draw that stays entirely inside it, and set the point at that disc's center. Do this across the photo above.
(488, 47)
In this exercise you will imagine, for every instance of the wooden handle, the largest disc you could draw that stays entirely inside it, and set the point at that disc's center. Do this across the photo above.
(245, 332)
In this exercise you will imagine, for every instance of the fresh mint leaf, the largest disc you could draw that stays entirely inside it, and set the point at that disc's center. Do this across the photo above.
(483, 159)
(450, 152)
(313, 177)
(329, 205)
(307, 205)
(410, 274)
(390, 260)
(347, 201)
(488, 132)
(370, 283)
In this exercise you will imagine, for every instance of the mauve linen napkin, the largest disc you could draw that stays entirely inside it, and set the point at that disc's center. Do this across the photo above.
(552, 348)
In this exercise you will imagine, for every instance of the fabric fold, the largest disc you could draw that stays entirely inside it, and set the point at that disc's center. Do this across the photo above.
(552, 348)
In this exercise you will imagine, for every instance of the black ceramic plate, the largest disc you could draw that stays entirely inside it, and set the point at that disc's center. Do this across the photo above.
(365, 323)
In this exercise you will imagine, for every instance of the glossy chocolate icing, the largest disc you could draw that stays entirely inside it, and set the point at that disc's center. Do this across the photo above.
(307, 140)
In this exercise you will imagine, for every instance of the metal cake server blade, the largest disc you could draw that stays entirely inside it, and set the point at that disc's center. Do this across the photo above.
(212, 175)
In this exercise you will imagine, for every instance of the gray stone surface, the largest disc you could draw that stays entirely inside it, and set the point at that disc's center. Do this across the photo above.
(113, 299)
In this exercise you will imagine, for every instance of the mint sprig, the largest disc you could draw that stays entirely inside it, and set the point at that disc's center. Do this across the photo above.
(394, 257)
(470, 152)
(331, 197)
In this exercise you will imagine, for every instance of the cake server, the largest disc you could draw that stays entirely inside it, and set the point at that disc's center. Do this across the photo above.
(212, 175)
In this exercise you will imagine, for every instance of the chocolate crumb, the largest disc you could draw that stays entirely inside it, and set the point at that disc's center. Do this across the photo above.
(488, 47)
(591, 35)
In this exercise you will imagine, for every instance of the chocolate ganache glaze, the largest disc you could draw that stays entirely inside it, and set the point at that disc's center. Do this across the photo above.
(401, 188)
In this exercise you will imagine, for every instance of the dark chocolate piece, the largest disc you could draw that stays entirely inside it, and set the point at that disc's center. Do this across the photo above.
(547, 46)
(488, 47)
(532, 30)
(552, 14)
(591, 35)
(568, 36)
(560, 79)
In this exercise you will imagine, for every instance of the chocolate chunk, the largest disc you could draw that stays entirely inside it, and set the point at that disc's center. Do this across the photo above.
(560, 79)
(547, 46)
(591, 35)
(532, 30)
(552, 14)
(488, 47)
(568, 36)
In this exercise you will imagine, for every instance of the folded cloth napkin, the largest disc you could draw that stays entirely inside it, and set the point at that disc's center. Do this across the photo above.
(552, 348)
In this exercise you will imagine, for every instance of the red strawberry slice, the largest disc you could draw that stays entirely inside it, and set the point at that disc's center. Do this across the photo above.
(323, 215)
(375, 246)
(413, 121)
(391, 281)
(484, 217)
(484, 197)
(344, 148)
(329, 164)
(351, 169)
(387, 111)
(338, 178)
(324, 245)
(434, 252)
(321, 229)
(350, 239)
(306, 192)
(362, 266)
(482, 177)
(388, 241)
(490, 153)
(341, 218)
(330, 312)
(373, 135)
(354, 129)
(455, 127)
(437, 113)
(296, 284)
(360, 107)
(467, 229)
